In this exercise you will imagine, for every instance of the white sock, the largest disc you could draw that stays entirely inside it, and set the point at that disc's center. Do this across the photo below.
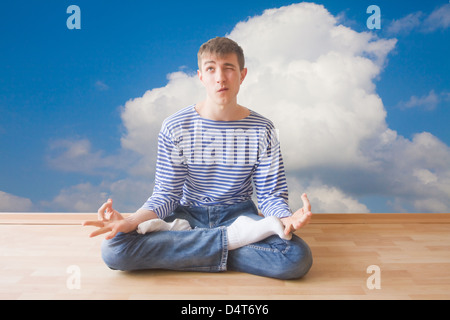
(161, 225)
(244, 231)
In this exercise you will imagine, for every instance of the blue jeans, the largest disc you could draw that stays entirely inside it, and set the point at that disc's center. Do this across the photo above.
(204, 248)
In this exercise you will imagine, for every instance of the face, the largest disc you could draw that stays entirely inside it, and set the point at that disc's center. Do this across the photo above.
(221, 77)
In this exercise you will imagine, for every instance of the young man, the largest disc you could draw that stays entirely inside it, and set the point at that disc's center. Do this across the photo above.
(200, 216)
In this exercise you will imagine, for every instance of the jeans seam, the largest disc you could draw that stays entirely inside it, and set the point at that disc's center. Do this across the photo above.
(270, 249)
(224, 258)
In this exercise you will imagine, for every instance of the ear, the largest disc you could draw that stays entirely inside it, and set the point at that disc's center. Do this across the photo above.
(243, 74)
(200, 75)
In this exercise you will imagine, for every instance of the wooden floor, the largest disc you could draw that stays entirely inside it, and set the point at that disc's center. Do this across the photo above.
(50, 256)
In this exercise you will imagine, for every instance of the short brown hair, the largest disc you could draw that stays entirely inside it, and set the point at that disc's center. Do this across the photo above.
(221, 46)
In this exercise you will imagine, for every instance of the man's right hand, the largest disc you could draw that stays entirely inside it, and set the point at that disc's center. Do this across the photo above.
(109, 220)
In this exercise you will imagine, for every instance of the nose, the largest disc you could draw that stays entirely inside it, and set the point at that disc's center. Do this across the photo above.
(220, 76)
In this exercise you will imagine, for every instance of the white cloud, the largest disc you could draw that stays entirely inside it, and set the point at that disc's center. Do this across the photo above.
(323, 198)
(427, 102)
(415, 171)
(406, 24)
(437, 19)
(315, 79)
(12, 203)
(79, 198)
(101, 86)
(127, 194)
(425, 176)
(431, 205)
(72, 155)
(332, 199)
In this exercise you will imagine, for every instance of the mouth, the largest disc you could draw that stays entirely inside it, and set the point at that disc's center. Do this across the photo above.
(222, 90)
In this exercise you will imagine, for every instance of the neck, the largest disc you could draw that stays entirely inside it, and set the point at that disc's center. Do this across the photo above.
(229, 112)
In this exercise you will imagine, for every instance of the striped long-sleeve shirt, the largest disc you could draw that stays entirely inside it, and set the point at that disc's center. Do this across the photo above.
(206, 162)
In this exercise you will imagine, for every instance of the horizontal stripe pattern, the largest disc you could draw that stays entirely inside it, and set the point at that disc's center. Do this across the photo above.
(203, 162)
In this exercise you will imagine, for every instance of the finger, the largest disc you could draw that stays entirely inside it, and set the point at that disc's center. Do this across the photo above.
(290, 227)
(112, 234)
(287, 230)
(304, 220)
(101, 211)
(109, 210)
(107, 206)
(306, 204)
(113, 214)
(94, 223)
(99, 232)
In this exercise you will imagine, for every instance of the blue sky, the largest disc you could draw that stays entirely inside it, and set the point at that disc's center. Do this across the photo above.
(59, 85)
